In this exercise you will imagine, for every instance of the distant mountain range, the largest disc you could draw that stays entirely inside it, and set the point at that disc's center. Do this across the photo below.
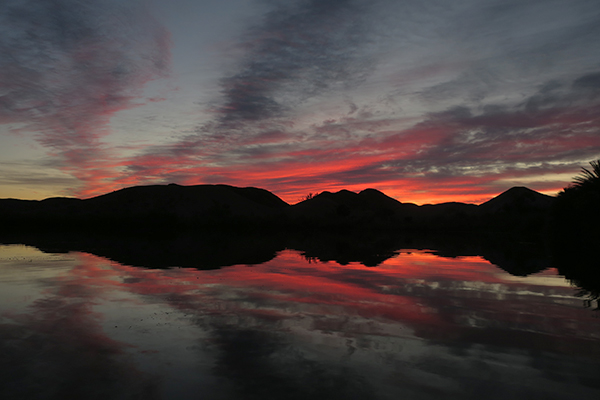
(209, 226)
(223, 206)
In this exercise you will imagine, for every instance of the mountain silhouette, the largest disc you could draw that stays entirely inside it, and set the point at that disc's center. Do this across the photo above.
(370, 207)
(518, 208)
(518, 198)
(147, 206)
(210, 226)
(222, 206)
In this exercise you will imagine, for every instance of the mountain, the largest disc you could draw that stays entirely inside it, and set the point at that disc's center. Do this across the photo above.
(223, 206)
(517, 208)
(346, 208)
(183, 202)
(148, 207)
(518, 198)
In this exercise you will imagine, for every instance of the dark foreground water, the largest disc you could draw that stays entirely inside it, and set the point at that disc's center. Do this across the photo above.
(417, 326)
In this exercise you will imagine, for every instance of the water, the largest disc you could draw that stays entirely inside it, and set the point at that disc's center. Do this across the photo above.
(417, 326)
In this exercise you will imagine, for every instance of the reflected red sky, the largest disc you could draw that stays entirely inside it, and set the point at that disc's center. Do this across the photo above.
(181, 328)
(433, 296)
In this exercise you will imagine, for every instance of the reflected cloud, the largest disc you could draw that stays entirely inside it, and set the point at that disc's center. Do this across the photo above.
(261, 365)
(58, 349)
(417, 324)
(267, 320)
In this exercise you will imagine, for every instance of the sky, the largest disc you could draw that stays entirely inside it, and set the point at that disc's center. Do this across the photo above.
(427, 101)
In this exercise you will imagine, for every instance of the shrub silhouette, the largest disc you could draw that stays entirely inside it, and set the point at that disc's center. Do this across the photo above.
(309, 196)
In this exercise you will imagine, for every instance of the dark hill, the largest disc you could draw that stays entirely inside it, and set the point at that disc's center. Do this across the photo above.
(223, 206)
(147, 207)
(518, 208)
(188, 201)
(344, 209)
(518, 198)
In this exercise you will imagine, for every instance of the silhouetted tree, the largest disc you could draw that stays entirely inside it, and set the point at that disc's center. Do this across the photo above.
(587, 180)
(577, 232)
(577, 209)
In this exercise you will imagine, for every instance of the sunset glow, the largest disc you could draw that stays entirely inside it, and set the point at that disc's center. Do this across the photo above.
(427, 103)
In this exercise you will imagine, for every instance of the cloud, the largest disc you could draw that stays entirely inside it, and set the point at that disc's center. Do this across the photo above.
(451, 149)
(505, 48)
(62, 331)
(493, 111)
(298, 50)
(457, 154)
(67, 66)
(588, 82)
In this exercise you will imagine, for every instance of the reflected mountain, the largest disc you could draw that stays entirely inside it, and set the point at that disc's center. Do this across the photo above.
(419, 326)
(518, 255)
(201, 250)
(578, 261)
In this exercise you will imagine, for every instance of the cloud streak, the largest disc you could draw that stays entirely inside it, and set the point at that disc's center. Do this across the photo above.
(298, 50)
(457, 154)
(67, 66)
(428, 103)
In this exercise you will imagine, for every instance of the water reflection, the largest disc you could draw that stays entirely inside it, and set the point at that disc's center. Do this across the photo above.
(206, 250)
(56, 347)
(417, 325)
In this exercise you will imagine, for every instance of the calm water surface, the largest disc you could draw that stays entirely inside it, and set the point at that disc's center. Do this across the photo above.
(417, 326)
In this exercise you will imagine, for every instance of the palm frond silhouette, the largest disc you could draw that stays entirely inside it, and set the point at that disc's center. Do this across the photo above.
(588, 177)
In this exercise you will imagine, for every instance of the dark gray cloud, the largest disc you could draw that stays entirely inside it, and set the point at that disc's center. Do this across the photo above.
(582, 92)
(517, 81)
(559, 123)
(586, 82)
(508, 47)
(67, 65)
(549, 132)
(587, 87)
(298, 50)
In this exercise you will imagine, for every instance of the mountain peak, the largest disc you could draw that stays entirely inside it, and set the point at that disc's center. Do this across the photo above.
(517, 197)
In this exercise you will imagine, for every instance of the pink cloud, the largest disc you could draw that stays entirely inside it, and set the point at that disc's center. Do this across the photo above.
(447, 157)
(80, 67)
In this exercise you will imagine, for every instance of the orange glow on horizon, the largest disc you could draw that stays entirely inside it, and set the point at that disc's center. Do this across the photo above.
(406, 191)
(429, 163)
